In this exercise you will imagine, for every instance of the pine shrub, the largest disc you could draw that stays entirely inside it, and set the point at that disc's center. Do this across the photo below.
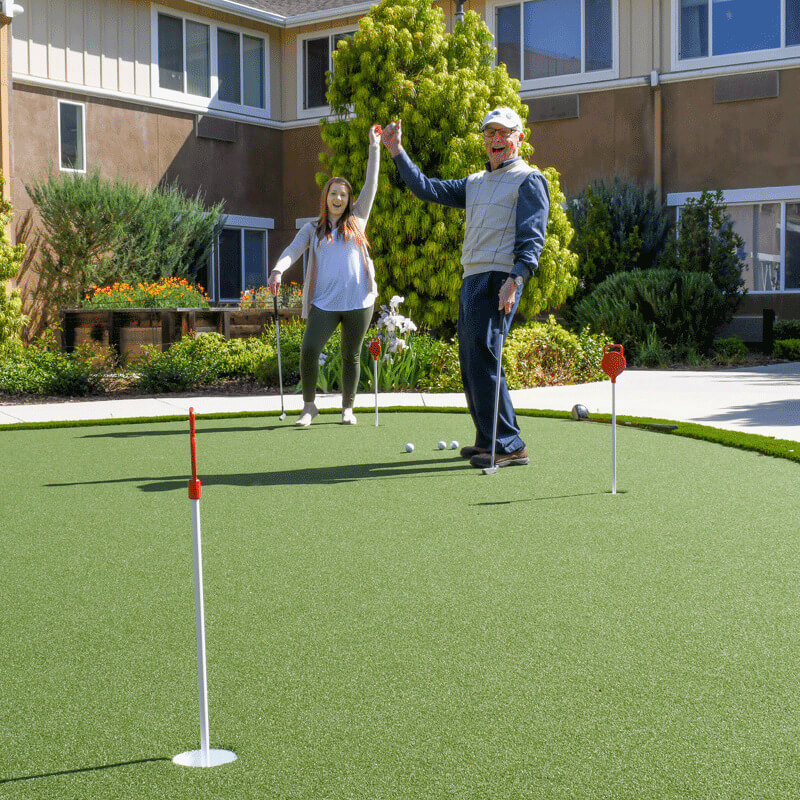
(681, 309)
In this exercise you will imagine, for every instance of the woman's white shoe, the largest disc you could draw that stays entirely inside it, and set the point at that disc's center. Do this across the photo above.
(308, 414)
(348, 417)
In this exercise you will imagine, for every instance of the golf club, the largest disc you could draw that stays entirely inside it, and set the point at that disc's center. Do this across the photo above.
(492, 468)
(280, 368)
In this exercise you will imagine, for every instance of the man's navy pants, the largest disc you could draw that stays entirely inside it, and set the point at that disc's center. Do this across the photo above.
(480, 323)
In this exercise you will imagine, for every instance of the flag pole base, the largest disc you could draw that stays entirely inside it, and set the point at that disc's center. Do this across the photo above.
(197, 758)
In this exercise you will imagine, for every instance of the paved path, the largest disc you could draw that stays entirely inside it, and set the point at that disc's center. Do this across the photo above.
(763, 400)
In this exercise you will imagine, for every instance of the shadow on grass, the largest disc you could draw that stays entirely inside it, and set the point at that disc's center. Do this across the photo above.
(534, 499)
(83, 769)
(185, 431)
(299, 477)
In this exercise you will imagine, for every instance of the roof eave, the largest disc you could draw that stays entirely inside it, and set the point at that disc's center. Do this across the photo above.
(293, 21)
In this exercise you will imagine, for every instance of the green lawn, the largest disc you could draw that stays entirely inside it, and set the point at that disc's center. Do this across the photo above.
(391, 625)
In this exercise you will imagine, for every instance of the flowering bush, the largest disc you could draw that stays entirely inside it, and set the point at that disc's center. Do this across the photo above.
(166, 293)
(290, 296)
(392, 324)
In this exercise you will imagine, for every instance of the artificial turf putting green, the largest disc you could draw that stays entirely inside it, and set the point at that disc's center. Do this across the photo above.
(391, 625)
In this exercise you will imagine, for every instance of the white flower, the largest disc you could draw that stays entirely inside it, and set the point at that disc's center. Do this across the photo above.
(322, 359)
(396, 301)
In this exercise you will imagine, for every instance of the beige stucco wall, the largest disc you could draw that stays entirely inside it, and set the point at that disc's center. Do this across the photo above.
(612, 136)
(746, 144)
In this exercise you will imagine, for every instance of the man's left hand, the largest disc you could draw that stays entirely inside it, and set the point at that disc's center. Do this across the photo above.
(508, 295)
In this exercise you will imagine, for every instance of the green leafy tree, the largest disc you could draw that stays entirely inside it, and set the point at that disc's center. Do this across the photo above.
(403, 64)
(706, 242)
(12, 320)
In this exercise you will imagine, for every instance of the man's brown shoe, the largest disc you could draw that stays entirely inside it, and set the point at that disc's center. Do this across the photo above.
(519, 458)
(471, 450)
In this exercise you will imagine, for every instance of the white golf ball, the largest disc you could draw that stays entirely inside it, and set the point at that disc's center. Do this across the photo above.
(409, 448)
(442, 445)
(454, 445)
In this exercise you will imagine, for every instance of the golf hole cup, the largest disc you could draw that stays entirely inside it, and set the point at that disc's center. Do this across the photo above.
(613, 364)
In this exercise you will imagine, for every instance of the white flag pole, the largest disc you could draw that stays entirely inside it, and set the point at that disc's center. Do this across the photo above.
(205, 756)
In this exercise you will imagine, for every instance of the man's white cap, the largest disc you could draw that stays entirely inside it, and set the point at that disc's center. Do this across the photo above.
(504, 116)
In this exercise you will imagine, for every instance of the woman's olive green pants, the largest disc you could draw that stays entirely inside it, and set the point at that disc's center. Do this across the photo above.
(319, 328)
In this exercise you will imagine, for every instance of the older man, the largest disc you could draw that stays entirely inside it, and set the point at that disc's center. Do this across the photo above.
(507, 208)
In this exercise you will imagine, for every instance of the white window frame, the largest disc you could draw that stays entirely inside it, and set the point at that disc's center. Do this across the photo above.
(576, 78)
(730, 59)
(242, 223)
(212, 102)
(82, 107)
(317, 111)
(749, 197)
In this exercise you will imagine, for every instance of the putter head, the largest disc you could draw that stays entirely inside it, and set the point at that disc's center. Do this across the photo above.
(490, 470)
(282, 417)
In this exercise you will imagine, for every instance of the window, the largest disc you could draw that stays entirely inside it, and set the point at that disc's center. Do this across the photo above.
(240, 258)
(547, 39)
(317, 60)
(191, 74)
(719, 28)
(768, 220)
(241, 69)
(71, 136)
(771, 252)
(206, 64)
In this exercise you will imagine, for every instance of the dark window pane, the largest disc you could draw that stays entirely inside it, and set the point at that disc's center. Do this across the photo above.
(792, 22)
(598, 34)
(71, 132)
(197, 59)
(315, 64)
(170, 53)
(744, 25)
(694, 29)
(254, 259)
(508, 39)
(552, 38)
(792, 256)
(230, 264)
(253, 69)
(228, 60)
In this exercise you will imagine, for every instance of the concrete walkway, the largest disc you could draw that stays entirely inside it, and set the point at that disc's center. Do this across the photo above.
(763, 400)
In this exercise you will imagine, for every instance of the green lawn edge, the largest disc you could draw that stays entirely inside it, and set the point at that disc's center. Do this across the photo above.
(767, 445)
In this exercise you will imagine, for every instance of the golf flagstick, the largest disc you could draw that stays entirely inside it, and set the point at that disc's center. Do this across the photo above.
(278, 336)
(613, 364)
(375, 352)
(204, 757)
(492, 468)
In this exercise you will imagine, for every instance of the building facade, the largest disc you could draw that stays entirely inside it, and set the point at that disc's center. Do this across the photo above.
(225, 97)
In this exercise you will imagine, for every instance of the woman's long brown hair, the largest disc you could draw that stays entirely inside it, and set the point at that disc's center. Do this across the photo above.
(347, 225)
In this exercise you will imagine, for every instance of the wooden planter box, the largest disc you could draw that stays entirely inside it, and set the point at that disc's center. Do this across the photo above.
(128, 331)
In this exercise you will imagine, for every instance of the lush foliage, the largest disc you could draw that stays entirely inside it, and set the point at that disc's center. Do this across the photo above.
(730, 350)
(787, 329)
(290, 296)
(645, 309)
(12, 320)
(166, 293)
(546, 354)
(42, 368)
(788, 349)
(707, 243)
(201, 360)
(403, 64)
(618, 227)
(96, 231)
